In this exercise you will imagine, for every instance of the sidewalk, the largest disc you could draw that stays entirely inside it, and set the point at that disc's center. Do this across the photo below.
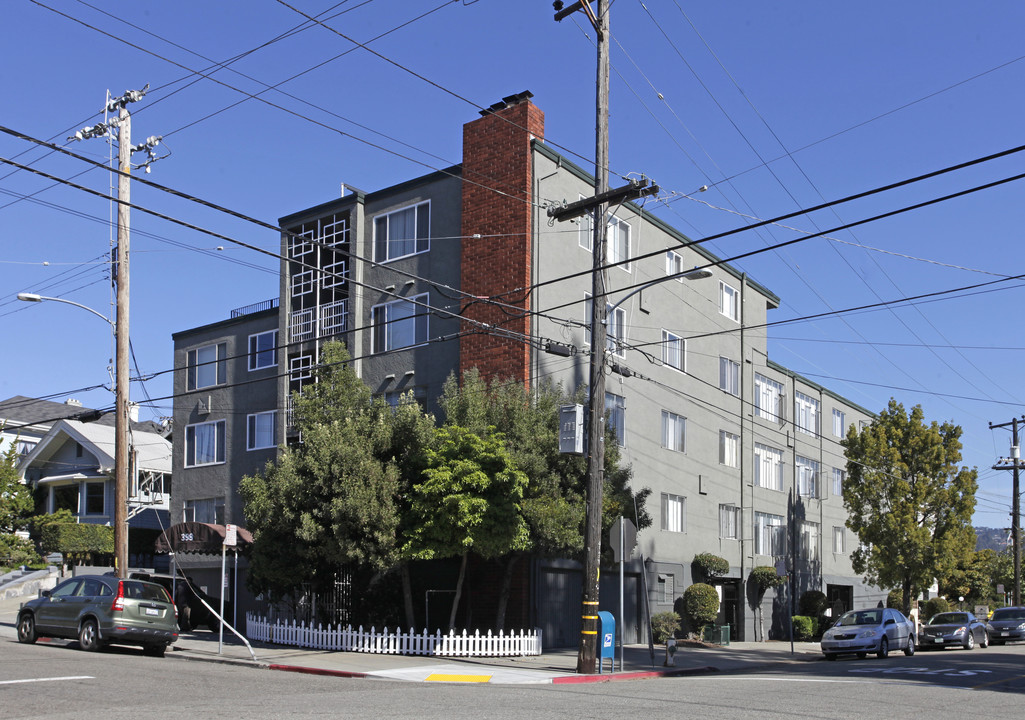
(554, 666)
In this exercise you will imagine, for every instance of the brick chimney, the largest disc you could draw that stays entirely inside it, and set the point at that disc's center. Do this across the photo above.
(497, 206)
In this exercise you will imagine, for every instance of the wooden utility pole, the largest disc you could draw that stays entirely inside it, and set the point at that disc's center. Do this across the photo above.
(123, 418)
(1015, 466)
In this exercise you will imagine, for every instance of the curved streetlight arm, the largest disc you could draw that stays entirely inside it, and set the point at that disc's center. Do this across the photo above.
(696, 274)
(32, 297)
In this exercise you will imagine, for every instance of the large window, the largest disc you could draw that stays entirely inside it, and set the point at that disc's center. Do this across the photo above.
(810, 540)
(807, 477)
(770, 534)
(768, 467)
(615, 408)
(729, 301)
(839, 539)
(674, 513)
(674, 264)
(839, 423)
(768, 398)
(207, 510)
(838, 477)
(729, 449)
(403, 232)
(729, 521)
(94, 498)
(806, 413)
(204, 443)
(674, 351)
(260, 430)
(263, 350)
(615, 327)
(617, 239)
(674, 431)
(729, 376)
(207, 366)
(400, 324)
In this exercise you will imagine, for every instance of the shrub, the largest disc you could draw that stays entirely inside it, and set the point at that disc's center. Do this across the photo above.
(765, 577)
(664, 626)
(813, 603)
(16, 551)
(895, 599)
(805, 628)
(933, 606)
(701, 603)
(710, 566)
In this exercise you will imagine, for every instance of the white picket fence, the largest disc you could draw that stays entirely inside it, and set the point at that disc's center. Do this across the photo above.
(526, 642)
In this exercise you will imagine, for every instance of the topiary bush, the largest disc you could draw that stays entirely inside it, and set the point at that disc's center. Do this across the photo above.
(664, 626)
(701, 603)
(805, 627)
(765, 577)
(813, 603)
(933, 606)
(709, 566)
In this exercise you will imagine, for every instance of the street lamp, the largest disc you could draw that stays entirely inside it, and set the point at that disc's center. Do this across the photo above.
(120, 433)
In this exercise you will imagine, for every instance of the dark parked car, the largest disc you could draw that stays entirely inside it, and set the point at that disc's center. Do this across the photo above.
(954, 628)
(1007, 624)
(876, 630)
(101, 610)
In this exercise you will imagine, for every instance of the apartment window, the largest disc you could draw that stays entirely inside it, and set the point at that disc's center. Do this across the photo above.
(615, 409)
(674, 264)
(403, 232)
(770, 534)
(729, 376)
(94, 498)
(807, 477)
(839, 474)
(729, 301)
(839, 539)
(729, 449)
(768, 467)
(617, 239)
(260, 430)
(399, 324)
(302, 283)
(674, 431)
(729, 521)
(768, 398)
(839, 423)
(204, 443)
(810, 541)
(674, 351)
(666, 589)
(615, 327)
(674, 513)
(207, 510)
(301, 367)
(263, 350)
(207, 366)
(806, 413)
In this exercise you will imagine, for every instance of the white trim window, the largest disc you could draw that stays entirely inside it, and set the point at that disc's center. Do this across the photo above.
(206, 366)
(674, 432)
(674, 513)
(839, 423)
(810, 540)
(204, 510)
(839, 475)
(807, 476)
(335, 274)
(204, 443)
(615, 409)
(301, 244)
(729, 521)
(770, 534)
(729, 376)
(302, 283)
(806, 413)
(399, 324)
(729, 301)
(768, 467)
(768, 398)
(263, 350)
(617, 239)
(300, 367)
(674, 264)
(729, 449)
(674, 351)
(260, 429)
(615, 327)
(402, 233)
(839, 539)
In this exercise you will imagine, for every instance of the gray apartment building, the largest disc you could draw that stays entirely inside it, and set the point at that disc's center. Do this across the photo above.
(463, 268)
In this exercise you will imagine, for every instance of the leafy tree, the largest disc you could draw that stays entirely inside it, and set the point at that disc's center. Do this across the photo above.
(710, 566)
(15, 498)
(907, 500)
(701, 603)
(975, 578)
(469, 500)
(762, 578)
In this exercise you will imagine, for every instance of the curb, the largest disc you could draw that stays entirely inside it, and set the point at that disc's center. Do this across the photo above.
(318, 671)
(638, 675)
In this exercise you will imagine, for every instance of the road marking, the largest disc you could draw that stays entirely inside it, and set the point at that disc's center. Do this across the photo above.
(946, 672)
(52, 679)
(439, 677)
(996, 682)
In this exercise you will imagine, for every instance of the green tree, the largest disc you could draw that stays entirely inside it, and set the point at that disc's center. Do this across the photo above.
(15, 498)
(701, 603)
(469, 500)
(907, 500)
(762, 578)
(975, 578)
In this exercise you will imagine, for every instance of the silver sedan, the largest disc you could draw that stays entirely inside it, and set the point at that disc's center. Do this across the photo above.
(876, 630)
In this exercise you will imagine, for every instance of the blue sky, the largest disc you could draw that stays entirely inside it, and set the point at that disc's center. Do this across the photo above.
(775, 106)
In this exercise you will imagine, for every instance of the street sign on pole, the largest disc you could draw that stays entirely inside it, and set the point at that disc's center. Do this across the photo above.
(623, 534)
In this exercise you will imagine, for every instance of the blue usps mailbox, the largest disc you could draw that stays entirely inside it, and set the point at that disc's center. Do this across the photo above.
(606, 639)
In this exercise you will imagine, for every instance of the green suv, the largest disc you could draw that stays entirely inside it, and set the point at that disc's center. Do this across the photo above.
(101, 609)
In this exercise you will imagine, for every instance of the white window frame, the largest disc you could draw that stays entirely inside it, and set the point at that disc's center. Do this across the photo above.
(770, 534)
(302, 283)
(807, 471)
(674, 265)
(809, 540)
(300, 367)
(301, 244)
(839, 475)
(674, 351)
(217, 427)
(618, 238)
(615, 409)
(839, 422)
(335, 274)
(729, 449)
(839, 539)
(729, 376)
(768, 398)
(806, 413)
(729, 301)
(615, 327)
(729, 521)
(674, 432)
(386, 330)
(674, 513)
(199, 364)
(768, 467)
(388, 248)
(261, 428)
(260, 355)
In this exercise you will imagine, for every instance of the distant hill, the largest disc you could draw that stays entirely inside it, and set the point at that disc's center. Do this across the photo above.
(992, 538)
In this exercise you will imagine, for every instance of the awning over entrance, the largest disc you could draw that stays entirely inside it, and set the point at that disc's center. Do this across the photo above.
(197, 537)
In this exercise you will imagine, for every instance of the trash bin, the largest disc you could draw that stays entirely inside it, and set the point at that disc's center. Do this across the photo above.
(717, 634)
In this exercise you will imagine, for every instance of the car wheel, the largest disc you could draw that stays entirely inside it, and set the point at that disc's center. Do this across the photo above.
(27, 628)
(154, 650)
(984, 643)
(89, 636)
(969, 642)
(910, 649)
(884, 648)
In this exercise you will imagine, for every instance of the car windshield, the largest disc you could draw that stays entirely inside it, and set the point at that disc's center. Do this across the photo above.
(948, 618)
(861, 617)
(1009, 614)
(144, 591)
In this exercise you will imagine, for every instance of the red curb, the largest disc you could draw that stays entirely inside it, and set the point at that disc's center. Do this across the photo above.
(579, 679)
(318, 671)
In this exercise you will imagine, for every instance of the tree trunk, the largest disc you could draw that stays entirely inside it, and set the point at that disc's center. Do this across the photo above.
(407, 595)
(503, 597)
(761, 623)
(459, 592)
